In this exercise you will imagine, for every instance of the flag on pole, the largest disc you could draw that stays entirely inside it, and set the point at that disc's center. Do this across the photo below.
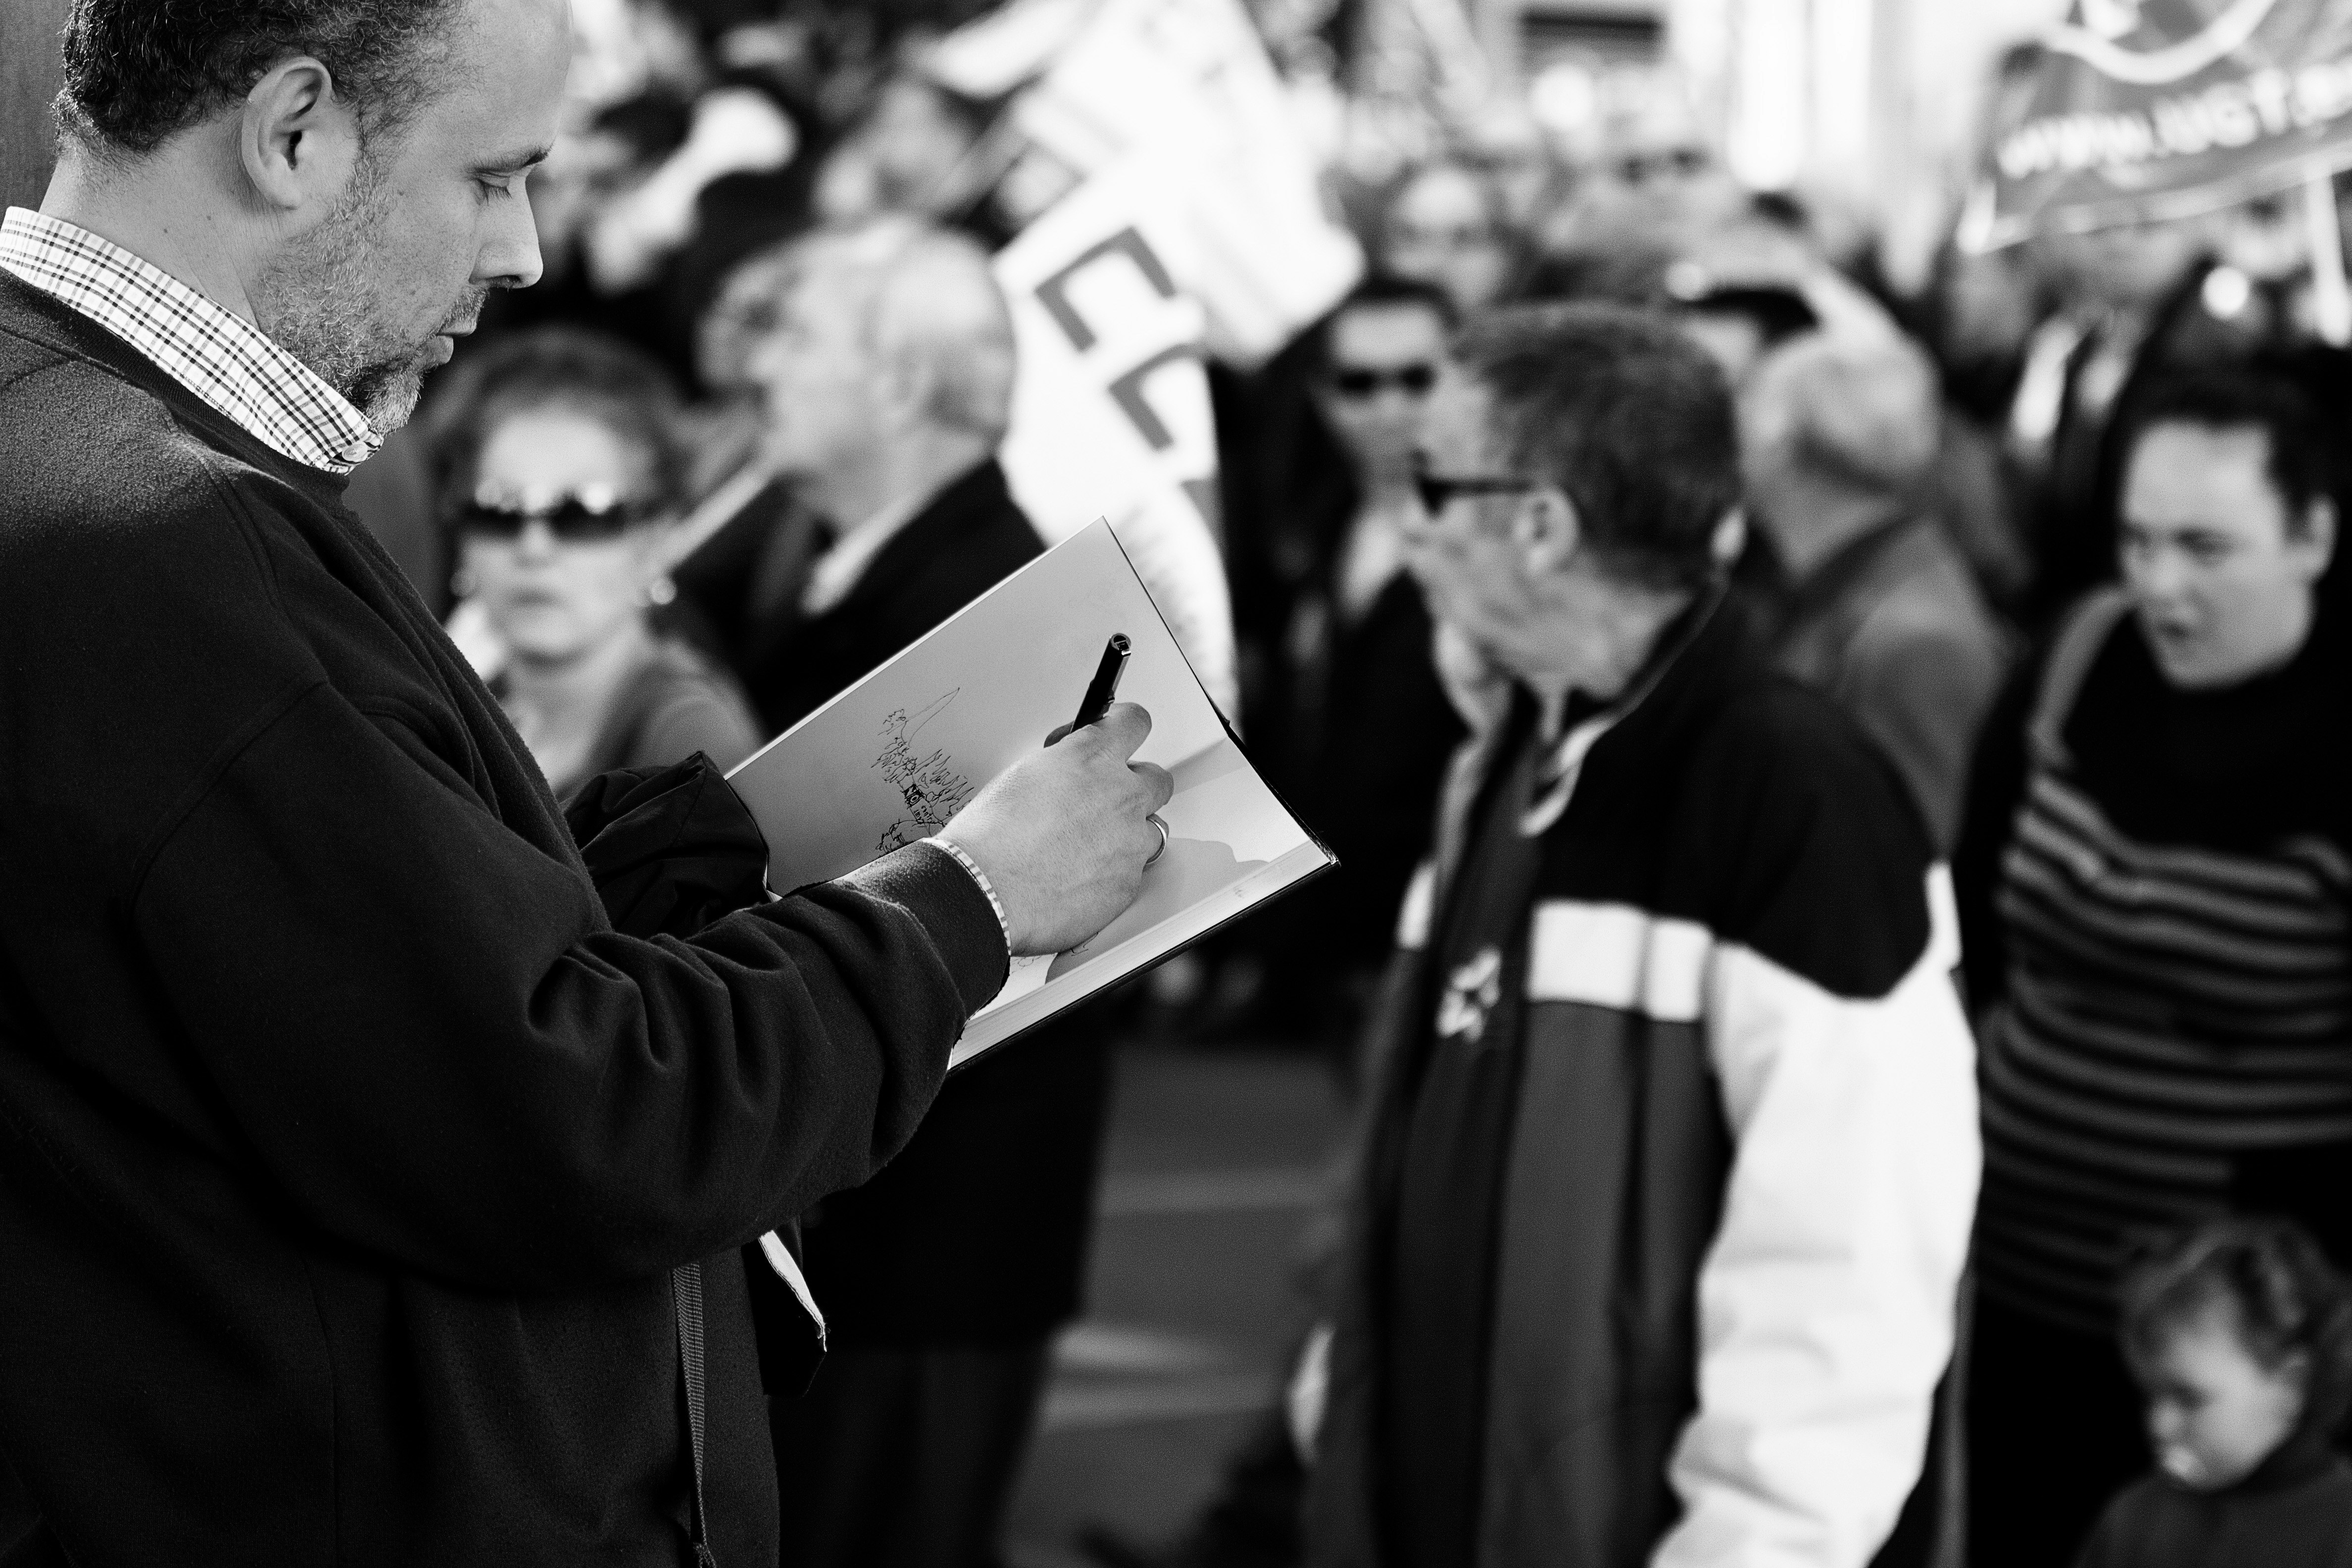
(1110, 410)
(2160, 109)
(1188, 220)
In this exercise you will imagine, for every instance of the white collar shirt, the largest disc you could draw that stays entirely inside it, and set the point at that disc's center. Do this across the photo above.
(221, 358)
(838, 570)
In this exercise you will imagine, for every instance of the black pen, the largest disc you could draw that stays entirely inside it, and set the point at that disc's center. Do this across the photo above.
(1105, 685)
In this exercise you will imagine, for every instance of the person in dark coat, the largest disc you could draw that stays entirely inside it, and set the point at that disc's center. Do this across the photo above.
(351, 1162)
(886, 372)
(1358, 727)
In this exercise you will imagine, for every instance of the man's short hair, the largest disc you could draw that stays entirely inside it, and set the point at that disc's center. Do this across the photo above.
(2241, 399)
(137, 72)
(915, 288)
(1865, 410)
(559, 366)
(1625, 414)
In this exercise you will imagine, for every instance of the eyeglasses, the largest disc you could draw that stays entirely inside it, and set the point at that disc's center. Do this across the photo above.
(1357, 384)
(1677, 163)
(572, 519)
(1438, 491)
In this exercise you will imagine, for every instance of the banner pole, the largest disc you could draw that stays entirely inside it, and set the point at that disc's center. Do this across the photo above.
(2331, 297)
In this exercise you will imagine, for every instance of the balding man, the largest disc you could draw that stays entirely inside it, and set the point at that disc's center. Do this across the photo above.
(365, 1198)
(884, 357)
(1838, 437)
(884, 361)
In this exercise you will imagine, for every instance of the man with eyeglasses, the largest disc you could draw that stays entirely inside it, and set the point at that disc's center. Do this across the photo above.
(1656, 1239)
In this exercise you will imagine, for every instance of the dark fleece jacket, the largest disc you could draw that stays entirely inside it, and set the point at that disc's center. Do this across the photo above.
(345, 1147)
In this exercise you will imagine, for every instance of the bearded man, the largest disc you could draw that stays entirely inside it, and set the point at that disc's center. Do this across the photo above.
(352, 1164)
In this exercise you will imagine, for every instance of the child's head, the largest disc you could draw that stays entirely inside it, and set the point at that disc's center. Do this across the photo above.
(2241, 1335)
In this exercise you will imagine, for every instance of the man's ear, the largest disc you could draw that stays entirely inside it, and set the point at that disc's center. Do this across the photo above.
(2317, 535)
(1546, 530)
(908, 381)
(1730, 538)
(297, 139)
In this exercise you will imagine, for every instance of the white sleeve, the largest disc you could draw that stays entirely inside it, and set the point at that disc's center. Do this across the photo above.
(1826, 1303)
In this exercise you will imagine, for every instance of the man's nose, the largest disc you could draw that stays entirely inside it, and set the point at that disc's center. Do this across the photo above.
(2164, 574)
(510, 257)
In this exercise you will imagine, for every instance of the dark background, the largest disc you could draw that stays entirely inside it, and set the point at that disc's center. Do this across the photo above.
(28, 79)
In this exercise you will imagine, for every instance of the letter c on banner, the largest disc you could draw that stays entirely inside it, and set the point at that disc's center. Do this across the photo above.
(1053, 293)
(1127, 392)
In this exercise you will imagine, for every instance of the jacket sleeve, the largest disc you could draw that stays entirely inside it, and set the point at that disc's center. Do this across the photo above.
(1826, 1302)
(422, 1030)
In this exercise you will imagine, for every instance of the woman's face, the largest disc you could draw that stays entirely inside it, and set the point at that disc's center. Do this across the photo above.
(1441, 229)
(551, 598)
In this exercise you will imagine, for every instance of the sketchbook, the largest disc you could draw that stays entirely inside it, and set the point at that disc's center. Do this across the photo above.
(889, 761)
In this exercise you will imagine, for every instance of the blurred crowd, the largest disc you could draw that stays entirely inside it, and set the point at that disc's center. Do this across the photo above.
(2055, 530)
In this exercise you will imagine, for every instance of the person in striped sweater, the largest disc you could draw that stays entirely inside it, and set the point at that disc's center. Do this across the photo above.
(2159, 960)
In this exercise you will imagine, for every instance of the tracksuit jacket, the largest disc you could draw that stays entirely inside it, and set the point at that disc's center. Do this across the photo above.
(1744, 1153)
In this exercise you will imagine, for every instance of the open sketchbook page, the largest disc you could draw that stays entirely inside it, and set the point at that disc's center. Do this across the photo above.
(889, 761)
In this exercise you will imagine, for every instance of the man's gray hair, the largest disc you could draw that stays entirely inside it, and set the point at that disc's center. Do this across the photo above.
(1865, 410)
(139, 71)
(919, 292)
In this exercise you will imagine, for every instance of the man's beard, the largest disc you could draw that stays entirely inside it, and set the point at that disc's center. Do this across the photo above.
(325, 304)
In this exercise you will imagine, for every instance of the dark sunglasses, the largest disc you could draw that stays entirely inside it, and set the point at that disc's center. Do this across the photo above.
(1438, 491)
(571, 519)
(1357, 384)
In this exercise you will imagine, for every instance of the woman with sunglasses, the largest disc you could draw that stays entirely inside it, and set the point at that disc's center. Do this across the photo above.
(562, 471)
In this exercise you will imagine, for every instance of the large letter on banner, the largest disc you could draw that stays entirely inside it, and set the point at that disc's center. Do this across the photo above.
(2166, 107)
(1110, 412)
(1236, 217)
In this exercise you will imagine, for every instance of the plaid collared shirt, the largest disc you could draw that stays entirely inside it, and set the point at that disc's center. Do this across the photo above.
(214, 352)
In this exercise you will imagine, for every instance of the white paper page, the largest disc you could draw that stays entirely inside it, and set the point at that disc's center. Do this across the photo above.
(890, 761)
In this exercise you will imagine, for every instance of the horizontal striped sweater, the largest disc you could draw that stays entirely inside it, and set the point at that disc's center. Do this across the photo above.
(2177, 1006)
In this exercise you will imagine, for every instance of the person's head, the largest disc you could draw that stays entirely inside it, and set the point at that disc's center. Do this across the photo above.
(561, 468)
(880, 349)
(1833, 429)
(1581, 470)
(356, 165)
(1377, 361)
(1661, 165)
(2239, 1335)
(1445, 222)
(2130, 266)
(2226, 528)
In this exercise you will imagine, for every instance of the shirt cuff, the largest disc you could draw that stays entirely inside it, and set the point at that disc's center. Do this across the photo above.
(980, 878)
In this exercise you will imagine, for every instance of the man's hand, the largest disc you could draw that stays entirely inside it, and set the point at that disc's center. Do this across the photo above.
(1062, 834)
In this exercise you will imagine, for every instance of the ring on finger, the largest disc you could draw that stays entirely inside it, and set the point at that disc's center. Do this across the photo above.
(1156, 854)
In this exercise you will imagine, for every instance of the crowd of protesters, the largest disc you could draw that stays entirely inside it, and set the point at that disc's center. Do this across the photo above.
(1844, 937)
(2055, 536)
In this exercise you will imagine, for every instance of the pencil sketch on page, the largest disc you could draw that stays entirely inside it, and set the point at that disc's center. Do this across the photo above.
(926, 780)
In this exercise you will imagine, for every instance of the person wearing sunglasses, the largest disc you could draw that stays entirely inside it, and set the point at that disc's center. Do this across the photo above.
(1668, 1170)
(1356, 720)
(562, 472)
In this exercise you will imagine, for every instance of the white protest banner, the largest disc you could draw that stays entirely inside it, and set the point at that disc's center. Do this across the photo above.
(1110, 411)
(2156, 109)
(1236, 212)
